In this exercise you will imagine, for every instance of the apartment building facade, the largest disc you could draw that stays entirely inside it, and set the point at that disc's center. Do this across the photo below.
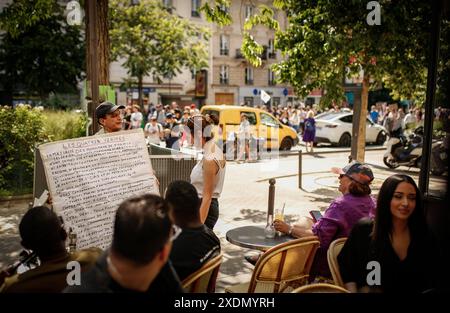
(230, 78)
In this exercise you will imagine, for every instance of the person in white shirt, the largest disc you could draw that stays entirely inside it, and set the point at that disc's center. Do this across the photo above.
(244, 134)
(136, 117)
(409, 120)
(153, 131)
(209, 174)
(294, 119)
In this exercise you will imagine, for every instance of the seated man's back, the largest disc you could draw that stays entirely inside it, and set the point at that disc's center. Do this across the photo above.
(43, 233)
(196, 244)
(51, 276)
(193, 248)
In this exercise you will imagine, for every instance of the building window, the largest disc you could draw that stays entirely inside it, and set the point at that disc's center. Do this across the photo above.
(249, 76)
(248, 11)
(276, 101)
(193, 73)
(248, 101)
(168, 5)
(271, 49)
(224, 8)
(223, 45)
(272, 78)
(195, 11)
(224, 74)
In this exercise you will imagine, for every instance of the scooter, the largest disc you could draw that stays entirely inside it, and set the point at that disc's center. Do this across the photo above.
(439, 158)
(405, 151)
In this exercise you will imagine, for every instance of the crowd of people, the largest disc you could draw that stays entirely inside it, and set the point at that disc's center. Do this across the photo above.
(165, 123)
(159, 241)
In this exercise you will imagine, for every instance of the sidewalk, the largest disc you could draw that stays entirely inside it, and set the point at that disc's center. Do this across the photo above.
(244, 202)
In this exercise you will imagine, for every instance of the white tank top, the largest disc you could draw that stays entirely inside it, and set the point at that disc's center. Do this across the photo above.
(197, 171)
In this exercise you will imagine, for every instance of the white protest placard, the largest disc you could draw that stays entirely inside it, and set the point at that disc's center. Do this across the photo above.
(89, 177)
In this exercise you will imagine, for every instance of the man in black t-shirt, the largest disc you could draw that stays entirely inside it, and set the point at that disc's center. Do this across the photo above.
(197, 243)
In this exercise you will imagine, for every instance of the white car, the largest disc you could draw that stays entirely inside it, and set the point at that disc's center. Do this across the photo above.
(336, 128)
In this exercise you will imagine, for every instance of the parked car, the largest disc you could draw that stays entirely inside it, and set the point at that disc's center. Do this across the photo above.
(336, 128)
(264, 126)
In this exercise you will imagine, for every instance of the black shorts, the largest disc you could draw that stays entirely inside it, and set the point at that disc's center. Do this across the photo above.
(213, 213)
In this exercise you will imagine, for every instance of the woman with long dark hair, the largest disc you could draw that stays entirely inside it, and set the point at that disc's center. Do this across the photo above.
(208, 174)
(392, 253)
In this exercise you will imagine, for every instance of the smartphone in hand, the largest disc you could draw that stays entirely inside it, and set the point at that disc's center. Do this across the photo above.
(316, 215)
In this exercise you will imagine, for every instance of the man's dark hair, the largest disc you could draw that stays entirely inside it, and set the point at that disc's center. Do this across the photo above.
(184, 202)
(41, 231)
(141, 228)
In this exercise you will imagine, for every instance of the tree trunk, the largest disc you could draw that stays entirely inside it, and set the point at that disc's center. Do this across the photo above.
(102, 41)
(359, 123)
(140, 98)
(97, 54)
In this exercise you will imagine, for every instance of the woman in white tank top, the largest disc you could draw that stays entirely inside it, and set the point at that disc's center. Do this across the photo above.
(209, 173)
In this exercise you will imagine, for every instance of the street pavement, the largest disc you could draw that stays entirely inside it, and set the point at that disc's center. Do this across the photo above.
(244, 200)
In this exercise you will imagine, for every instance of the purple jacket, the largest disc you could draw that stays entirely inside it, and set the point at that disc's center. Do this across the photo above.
(337, 222)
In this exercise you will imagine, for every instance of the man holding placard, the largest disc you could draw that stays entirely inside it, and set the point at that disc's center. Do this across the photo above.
(109, 117)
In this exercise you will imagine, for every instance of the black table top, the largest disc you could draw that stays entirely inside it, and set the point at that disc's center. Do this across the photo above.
(253, 237)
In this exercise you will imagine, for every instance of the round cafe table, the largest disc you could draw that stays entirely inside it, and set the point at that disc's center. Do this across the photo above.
(253, 237)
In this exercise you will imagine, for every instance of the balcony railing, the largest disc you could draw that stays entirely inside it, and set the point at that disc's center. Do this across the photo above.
(249, 81)
(224, 81)
(223, 51)
(195, 13)
(272, 55)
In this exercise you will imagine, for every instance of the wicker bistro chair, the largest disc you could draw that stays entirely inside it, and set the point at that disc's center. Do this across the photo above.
(281, 267)
(204, 279)
(320, 288)
(332, 254)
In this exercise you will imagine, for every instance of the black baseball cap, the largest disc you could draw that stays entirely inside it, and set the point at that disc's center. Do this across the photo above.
(106, 108)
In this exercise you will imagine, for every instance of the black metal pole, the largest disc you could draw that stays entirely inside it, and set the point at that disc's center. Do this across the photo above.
(431, 95)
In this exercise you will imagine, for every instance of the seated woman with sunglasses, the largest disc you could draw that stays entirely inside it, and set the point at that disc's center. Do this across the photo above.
(208, 174)
(342, 214)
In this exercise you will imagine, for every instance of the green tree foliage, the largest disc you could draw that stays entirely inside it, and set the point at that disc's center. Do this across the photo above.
(60, 125)
(21, 130)
(154, 42)
(443, 81)
(47, 57)
(326, 40)
(21, 15)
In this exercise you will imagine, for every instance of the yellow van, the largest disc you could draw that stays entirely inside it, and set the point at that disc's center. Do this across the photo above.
(263, 125)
